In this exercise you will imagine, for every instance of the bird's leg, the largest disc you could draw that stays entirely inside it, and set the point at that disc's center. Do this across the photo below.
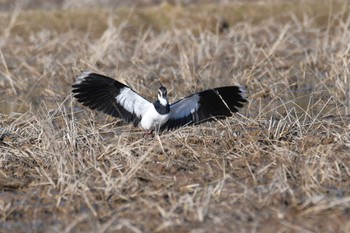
(148, 132)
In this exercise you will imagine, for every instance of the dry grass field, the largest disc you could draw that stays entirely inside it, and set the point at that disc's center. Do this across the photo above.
(281, 165)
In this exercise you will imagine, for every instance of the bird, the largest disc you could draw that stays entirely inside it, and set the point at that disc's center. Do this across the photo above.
(105, 94)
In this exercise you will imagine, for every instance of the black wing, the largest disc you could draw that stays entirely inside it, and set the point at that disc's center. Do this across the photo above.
(109, 96)
(212, 104)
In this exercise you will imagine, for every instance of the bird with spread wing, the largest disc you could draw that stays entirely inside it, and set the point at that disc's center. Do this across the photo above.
(107, 95)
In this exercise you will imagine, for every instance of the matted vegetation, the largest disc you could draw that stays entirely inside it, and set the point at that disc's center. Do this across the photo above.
(281, 164)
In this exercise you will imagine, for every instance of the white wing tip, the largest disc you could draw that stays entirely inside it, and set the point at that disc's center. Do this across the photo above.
(243, 91)
(81, 77)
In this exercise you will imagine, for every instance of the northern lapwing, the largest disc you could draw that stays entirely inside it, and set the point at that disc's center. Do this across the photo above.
(107, 95)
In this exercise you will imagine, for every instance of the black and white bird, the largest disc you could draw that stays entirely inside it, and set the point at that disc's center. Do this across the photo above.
(118, 100)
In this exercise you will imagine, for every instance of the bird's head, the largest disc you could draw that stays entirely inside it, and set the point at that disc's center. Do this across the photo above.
(163, 95)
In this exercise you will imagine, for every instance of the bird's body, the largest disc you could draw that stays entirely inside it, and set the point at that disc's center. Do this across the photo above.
(152, 119)
(116, 99)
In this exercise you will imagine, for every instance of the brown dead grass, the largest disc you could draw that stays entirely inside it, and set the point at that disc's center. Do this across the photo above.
(281, 165)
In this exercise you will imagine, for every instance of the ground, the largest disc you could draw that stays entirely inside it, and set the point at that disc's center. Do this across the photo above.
(280, 165)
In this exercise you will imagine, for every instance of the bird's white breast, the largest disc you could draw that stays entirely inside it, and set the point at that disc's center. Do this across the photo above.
(152, 120)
